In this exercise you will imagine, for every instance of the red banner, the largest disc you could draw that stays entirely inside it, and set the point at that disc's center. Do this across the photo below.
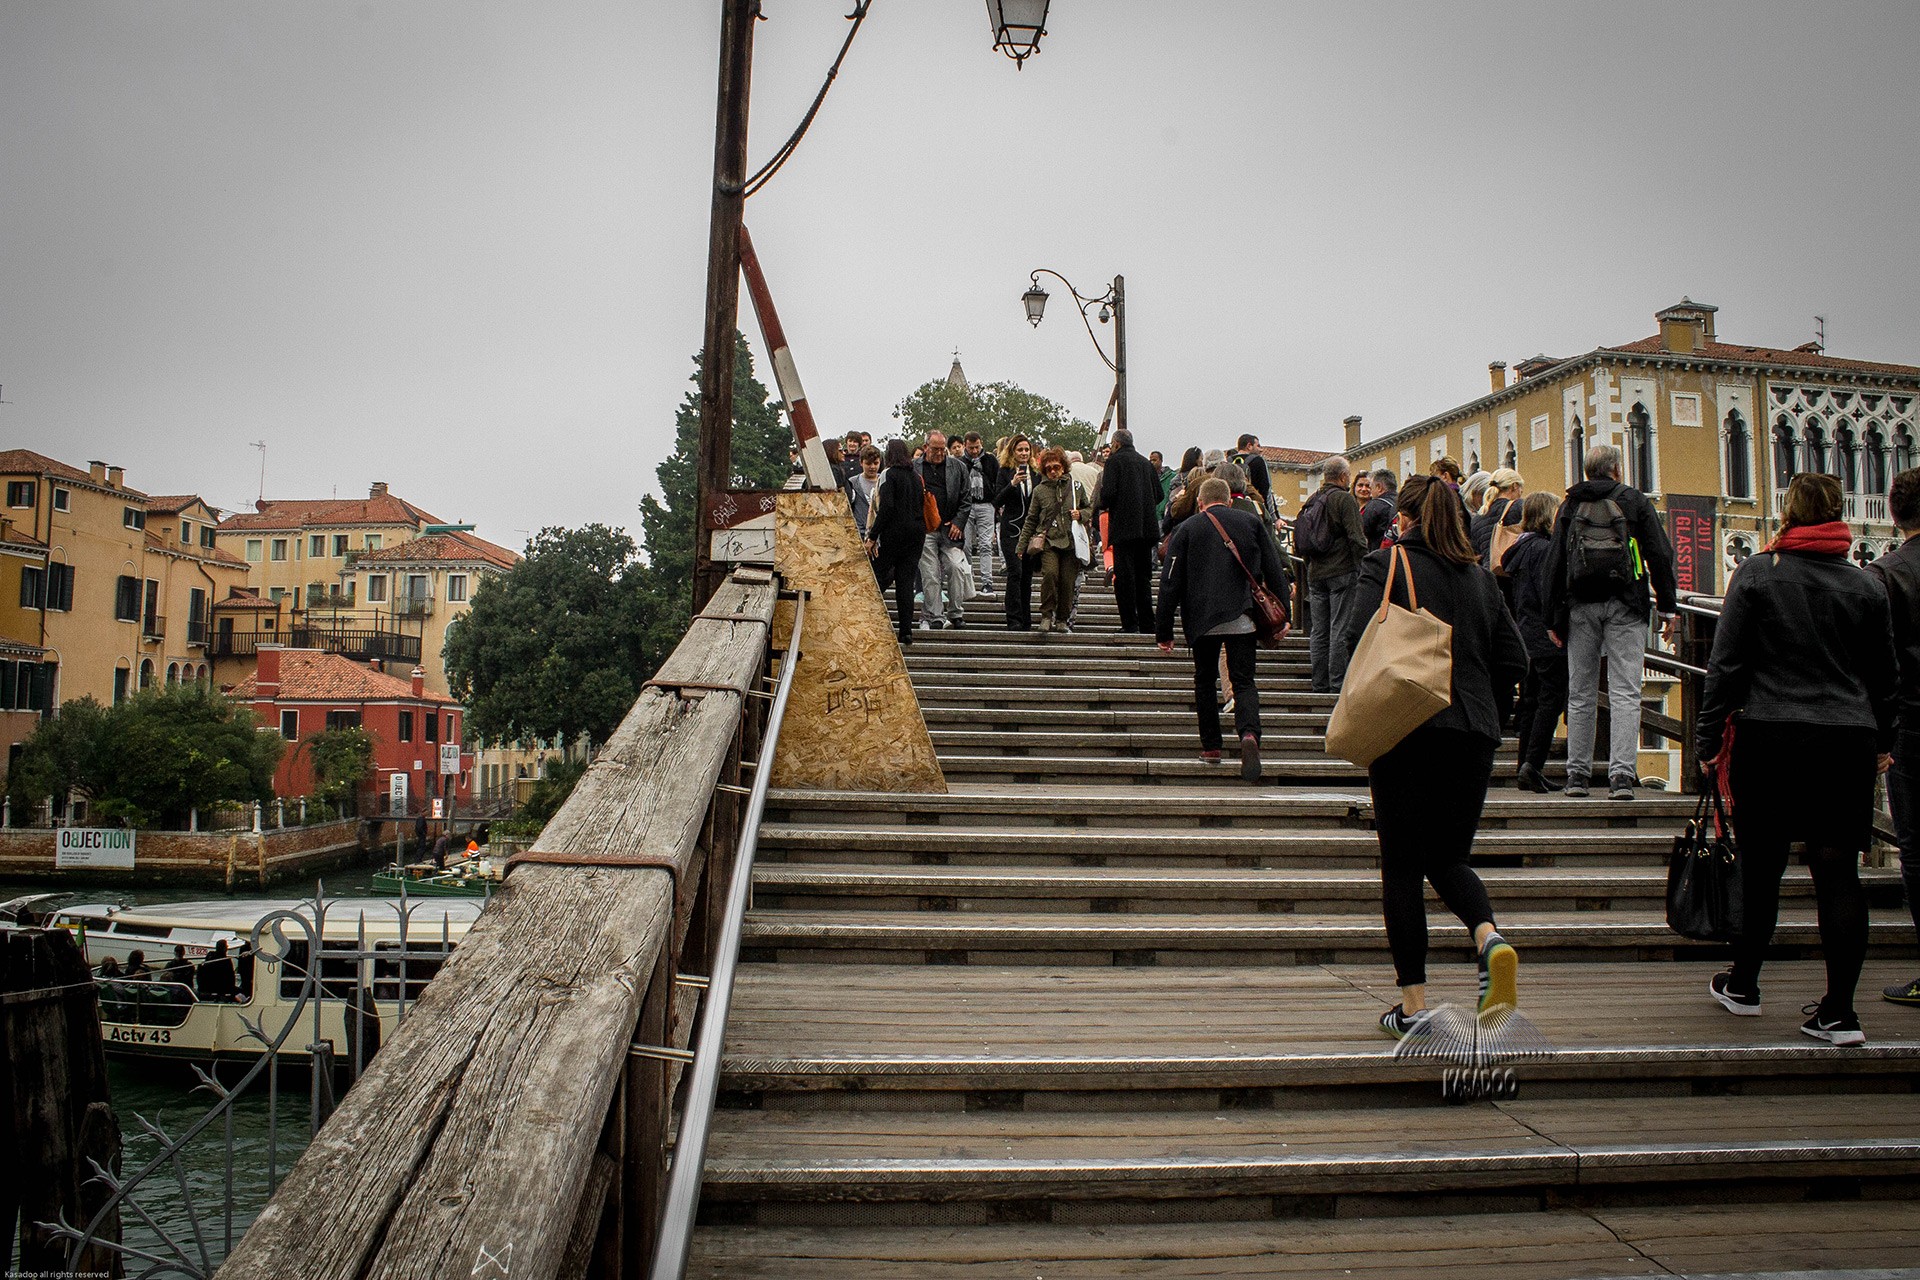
(1690, 520)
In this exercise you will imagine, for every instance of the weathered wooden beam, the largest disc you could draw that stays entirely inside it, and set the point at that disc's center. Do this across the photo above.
(467, 1147)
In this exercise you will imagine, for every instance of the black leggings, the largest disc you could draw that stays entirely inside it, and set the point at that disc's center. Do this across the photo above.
(1842, 908)
(1542, 698)
(1427, 796)
(899, 568)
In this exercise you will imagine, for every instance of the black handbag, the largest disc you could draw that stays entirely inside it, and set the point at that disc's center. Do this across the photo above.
(1703, 875)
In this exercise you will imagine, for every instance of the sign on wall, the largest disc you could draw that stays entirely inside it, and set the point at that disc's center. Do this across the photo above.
(397, 793)
(449, 758)
(93, 847)
(1690, 521)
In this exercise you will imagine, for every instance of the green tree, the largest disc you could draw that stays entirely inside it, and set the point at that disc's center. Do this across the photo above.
(762, 444)
(148, 761)
(994, 409)
(341, 759)
(553, 647)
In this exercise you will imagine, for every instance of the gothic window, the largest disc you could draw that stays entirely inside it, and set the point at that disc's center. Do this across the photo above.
(1739, 457)
(1640, 448)
(1815, 447)
(1902, 451)
(1512, 458)
(1845, 460)
(1576, 451)
(1876, 459)
(1783, 467)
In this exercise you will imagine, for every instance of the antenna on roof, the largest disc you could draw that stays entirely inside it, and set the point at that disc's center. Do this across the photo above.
(1820, 331)
(261, 445)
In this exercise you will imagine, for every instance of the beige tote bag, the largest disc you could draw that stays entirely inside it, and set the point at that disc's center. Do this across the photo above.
(1400, 676)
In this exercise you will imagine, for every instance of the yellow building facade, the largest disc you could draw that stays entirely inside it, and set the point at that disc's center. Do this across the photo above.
(426, 583)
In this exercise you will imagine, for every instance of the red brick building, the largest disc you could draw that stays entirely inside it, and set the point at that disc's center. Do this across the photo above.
(302, 692)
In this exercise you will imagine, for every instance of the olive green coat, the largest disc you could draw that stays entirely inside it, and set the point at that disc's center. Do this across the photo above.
(1051, 513)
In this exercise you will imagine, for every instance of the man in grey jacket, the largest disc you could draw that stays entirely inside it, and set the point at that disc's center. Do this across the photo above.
(942, 562)
(1332, 571)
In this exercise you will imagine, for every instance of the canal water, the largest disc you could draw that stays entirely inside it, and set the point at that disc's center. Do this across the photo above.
(169, 1095)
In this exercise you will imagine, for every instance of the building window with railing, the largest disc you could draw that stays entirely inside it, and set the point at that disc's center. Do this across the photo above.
(1876, 459)
(1902, 451)
(1846, 460)
(197, 616)
(1814, 447)
(1739, 457)
(1783, 451)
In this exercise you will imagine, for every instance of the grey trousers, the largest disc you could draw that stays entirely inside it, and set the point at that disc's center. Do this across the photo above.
(1616, 631)
(940, 573)
(981, 535)
(1327, 637)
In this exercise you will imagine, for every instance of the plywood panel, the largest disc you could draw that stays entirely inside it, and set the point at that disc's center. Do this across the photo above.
(853, 721)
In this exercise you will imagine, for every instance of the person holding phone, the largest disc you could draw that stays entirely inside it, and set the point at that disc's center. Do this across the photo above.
(1010, 503)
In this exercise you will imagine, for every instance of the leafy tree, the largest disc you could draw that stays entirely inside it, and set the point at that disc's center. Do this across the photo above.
(341, 760)
(552, 647)
(994, 409)
(149, 760)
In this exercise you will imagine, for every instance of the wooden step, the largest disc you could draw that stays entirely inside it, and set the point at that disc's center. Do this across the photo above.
(1296, 770)
(1558, 1244)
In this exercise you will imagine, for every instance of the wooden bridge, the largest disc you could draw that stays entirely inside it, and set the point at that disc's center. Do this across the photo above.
(1080, 1006)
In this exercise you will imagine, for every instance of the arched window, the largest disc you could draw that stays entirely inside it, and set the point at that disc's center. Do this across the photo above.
(146, 673)
(173, 674)
(1640, 449)
(1845, 460)
(1512, 460)
(1782, 452)
(1576, 451)
(1876, 458)
(1902, 451)
(1815, 446)
(1739, 457)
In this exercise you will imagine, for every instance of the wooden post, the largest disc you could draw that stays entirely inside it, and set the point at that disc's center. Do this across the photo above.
(54, 1111)
(714, 466)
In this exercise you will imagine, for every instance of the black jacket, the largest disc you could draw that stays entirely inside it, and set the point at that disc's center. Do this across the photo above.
(948, 482)
(1258, 478)
(1803, 638)
(1488, 657)
(989, 468)
(1643, 524)
(1377, 517)
(1011, 498)
(1900, 574)
(1129, 494)
(1480, 527)
(897, 521)
(1526, 569)
(1202, 579)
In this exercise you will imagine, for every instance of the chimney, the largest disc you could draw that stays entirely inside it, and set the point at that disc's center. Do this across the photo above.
(1497, 375)
(377, 665)
(266, 676)
(379, 489)
(1686, 326)
(1352, 423)
(419, 682)
(115, 475)
(97, 471)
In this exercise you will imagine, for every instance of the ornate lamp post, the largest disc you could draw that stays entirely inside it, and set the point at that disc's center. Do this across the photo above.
(1113, 306)
(1017, 28)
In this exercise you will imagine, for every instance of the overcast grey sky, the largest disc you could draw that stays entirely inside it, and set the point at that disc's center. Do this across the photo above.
(460, 246)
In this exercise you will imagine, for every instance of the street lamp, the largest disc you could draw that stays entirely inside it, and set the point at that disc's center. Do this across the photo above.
(1113, 306)
(1017, 27)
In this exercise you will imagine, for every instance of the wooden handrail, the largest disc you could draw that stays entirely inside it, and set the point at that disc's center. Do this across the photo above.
(506, 1125)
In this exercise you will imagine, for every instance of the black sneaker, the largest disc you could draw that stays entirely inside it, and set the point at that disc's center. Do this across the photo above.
(1743, 1004)
(1843, 1030)
(1400, 1024)
(1499, 964)
(1576, 788)
(1906, 993)
(1249, 758)
(1621, 788)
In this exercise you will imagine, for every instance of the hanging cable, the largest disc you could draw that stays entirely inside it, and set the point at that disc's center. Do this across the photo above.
(780, 157)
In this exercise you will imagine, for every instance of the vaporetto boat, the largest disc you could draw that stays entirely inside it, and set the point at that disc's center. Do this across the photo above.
(376, 956)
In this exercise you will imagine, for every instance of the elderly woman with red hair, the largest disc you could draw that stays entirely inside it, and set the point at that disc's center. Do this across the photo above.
(1059, 502)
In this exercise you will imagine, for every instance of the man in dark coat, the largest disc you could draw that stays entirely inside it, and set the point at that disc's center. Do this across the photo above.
(1376, 518)
(1204, 579)
(215, 978)
(1900, 571)
(1129, 495)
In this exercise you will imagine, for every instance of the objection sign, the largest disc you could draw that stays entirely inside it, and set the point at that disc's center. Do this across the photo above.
(109, 847)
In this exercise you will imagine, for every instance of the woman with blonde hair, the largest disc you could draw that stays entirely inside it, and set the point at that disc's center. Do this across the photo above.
(1797, 721)
(1499, 509)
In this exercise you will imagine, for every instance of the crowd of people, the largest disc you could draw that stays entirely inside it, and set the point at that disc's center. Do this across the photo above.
(1813, 684)
(220, 976)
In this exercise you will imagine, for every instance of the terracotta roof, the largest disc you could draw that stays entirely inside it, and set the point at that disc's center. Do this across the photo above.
(441, 547)
(1767, 355)
(27, 462)
(246, 598)
(308, 675)
(174, 503)
(157, 540)
(1294, 457)
(309, 513)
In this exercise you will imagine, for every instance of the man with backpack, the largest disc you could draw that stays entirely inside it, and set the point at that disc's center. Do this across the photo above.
(1609, 563)
(1326, 534)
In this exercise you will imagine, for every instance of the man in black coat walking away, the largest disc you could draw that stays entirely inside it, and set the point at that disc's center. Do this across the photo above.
(1209, 560)
(1130, 494)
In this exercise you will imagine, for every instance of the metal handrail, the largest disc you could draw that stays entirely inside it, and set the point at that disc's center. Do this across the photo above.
(703, 1078)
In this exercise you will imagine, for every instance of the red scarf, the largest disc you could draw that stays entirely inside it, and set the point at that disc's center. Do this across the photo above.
(1833, 539)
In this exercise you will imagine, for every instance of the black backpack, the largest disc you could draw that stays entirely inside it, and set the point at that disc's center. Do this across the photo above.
(1600, 558)
(1313, 528)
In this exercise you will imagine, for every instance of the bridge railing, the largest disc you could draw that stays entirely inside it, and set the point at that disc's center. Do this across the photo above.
(516, 1123)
